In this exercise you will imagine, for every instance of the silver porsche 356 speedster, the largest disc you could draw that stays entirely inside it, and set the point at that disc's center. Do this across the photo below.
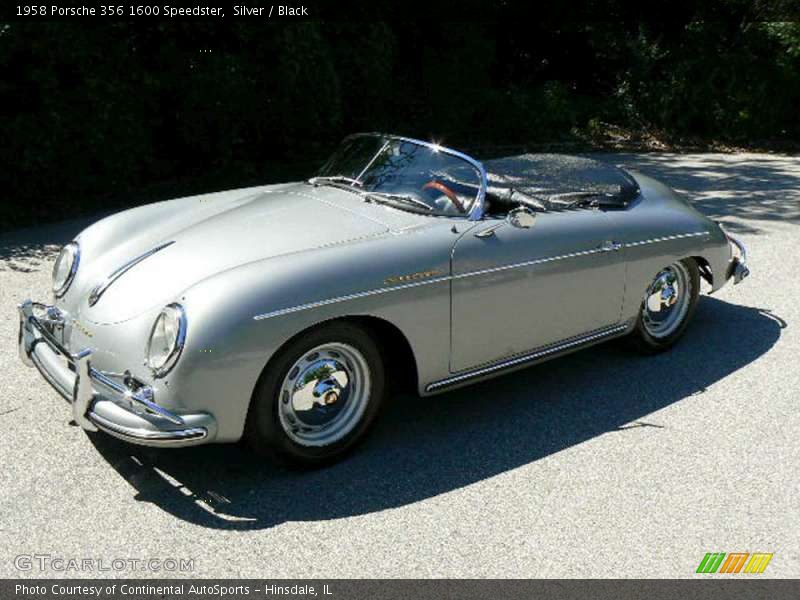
(281, 313)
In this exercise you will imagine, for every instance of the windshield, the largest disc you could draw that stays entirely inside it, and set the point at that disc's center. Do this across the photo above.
(404, 173)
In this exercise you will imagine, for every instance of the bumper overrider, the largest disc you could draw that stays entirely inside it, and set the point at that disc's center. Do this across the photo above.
(113, 403)
(737, 269)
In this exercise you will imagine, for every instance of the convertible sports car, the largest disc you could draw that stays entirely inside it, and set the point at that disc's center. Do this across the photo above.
(281, 313)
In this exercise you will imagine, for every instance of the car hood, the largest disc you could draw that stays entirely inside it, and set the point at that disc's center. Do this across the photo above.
(180, 249)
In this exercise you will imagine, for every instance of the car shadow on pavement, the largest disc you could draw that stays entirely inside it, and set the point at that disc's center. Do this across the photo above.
(422, 447)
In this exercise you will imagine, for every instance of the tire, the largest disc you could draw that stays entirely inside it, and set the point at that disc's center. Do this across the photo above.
(657, 327)
(317, 397)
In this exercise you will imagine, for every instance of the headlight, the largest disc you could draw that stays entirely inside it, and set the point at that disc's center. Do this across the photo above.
(65, 268)
(166, 340)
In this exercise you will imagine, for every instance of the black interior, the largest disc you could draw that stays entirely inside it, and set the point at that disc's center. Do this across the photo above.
(549, 182)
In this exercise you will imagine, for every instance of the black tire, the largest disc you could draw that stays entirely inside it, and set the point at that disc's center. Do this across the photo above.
(263, 429)
(644, 341)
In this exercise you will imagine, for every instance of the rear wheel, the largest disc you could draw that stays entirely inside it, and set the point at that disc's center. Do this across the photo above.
(317, 398)
(667, 307)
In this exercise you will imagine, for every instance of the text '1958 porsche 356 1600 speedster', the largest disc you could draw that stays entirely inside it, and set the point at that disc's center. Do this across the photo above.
(280, 313)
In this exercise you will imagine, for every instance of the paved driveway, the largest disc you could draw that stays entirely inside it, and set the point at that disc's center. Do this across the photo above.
(601, 464)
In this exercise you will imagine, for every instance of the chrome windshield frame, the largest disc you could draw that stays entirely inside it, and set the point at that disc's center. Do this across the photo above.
(476, 211)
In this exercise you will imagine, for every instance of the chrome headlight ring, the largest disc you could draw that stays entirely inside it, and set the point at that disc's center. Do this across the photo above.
(166, 340)
(64, 272)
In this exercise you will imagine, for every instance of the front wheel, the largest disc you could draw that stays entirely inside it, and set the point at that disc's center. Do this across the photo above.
(667, 307)
(318, 397)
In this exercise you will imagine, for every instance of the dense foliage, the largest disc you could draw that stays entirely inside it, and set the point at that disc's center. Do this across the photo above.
(96, 116)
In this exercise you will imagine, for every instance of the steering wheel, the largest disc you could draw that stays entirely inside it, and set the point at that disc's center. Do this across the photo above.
(451, 195)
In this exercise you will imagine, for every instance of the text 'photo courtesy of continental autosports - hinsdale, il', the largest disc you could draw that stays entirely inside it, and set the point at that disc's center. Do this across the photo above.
(284, 314)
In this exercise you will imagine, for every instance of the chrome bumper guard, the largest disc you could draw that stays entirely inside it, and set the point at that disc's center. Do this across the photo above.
(738, 267)
(113, 406)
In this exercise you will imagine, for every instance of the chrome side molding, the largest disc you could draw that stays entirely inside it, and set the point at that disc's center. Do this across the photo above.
(292, 309)
(529, 358)
(608, 246)
(666, 238)
(611, 246)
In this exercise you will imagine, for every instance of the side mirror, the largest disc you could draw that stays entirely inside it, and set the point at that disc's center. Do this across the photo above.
(521, 217)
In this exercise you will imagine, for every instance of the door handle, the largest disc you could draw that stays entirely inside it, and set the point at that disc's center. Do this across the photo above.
(610, 246)
(489, 231)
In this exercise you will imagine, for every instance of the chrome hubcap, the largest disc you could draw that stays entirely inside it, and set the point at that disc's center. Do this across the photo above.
(324, 395)
(666, 301)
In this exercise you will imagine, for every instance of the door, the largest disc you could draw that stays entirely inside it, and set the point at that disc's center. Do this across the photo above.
(520, 289)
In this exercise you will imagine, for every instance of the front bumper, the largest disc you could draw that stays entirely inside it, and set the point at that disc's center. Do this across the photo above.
(112, 403)
(737, 269)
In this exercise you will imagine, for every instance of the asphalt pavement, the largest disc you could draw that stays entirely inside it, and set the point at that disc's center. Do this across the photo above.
(600, 464)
